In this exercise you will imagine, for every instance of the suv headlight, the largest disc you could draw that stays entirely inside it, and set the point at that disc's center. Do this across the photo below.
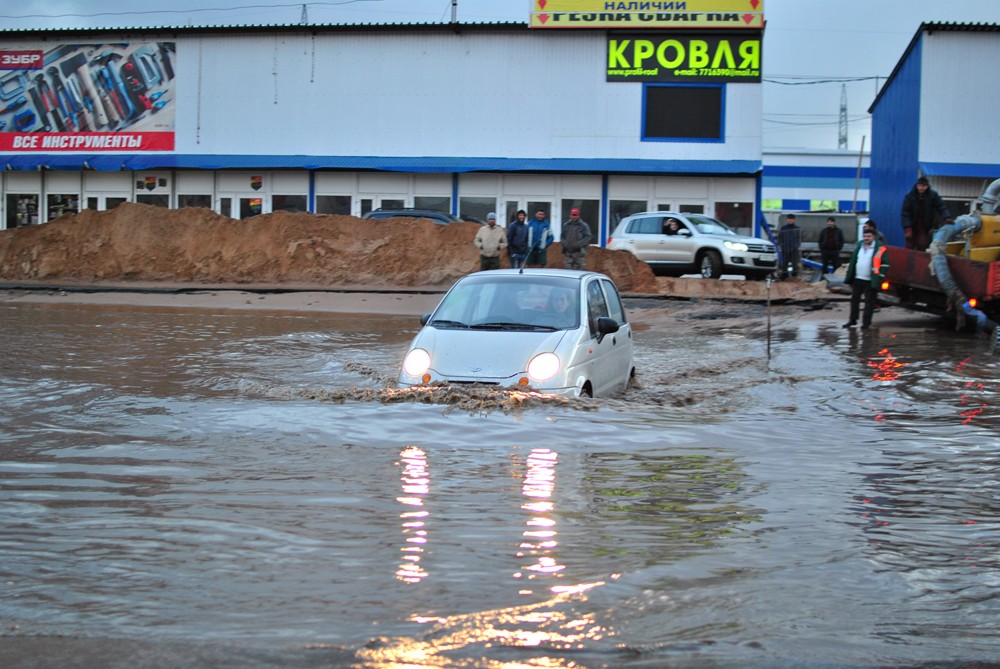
(736, 246)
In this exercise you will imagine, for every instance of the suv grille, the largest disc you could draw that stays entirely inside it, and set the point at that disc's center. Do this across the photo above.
(760, 248)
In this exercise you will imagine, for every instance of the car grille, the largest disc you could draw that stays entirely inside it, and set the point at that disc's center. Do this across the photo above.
(760, 248)
(764, 263)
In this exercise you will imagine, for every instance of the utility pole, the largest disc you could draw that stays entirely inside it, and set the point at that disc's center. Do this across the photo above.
(842, 126)
(454, 11)
(304, 19)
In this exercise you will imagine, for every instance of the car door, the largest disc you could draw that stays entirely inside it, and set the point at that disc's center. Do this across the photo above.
(609, 350)
(621, 353)
(645, 234)
(679, 249)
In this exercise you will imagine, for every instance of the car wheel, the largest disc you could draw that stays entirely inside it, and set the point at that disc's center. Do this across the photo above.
(710, 265)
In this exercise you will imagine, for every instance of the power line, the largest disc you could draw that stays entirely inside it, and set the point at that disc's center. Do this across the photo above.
(178, 11)
(811, 82)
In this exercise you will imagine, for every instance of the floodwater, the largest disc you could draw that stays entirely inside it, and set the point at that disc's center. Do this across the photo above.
(193, 488)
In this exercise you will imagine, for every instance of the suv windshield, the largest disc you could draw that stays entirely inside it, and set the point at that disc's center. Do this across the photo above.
(710, 226)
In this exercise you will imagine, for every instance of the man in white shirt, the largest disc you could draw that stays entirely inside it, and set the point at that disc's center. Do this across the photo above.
(865, 274)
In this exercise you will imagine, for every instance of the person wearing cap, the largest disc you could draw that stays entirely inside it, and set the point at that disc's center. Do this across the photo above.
(922, 211)
(491, 239)
(575, 240)
(539, 239)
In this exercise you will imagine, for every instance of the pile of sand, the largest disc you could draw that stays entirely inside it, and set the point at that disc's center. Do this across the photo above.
(142, 244)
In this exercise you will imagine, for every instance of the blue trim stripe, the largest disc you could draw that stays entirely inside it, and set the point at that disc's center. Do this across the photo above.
(435, 164)
(802, 182)
(969, 170)
(815, 172)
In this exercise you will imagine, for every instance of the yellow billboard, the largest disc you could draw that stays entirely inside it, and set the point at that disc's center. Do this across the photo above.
(647, 14)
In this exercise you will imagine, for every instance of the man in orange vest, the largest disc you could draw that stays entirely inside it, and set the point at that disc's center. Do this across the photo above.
(865, 274)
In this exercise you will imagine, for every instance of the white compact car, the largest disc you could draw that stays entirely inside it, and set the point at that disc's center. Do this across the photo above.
(672, 243)
(563, 332)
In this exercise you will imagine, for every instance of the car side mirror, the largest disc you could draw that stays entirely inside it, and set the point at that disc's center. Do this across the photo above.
(606, 326)
(685, 232)
(424, 319)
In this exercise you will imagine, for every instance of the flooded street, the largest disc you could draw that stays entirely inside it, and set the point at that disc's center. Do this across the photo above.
(212, 488)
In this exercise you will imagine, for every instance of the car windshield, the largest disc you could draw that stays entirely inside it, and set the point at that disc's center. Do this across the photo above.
(512, 302)
(710, 226)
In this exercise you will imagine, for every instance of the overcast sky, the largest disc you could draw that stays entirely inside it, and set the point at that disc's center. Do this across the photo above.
(827, 41)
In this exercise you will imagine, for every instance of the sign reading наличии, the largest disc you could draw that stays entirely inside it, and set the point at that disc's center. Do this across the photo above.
(647, 14)
(719, 57)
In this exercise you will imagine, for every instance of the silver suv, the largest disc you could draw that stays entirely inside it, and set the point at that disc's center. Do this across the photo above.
(674, 244)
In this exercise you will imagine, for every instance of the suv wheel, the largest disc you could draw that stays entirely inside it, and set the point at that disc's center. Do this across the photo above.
(710, 265)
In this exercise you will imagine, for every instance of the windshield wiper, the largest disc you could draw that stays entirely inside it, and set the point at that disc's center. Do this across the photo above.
(512, 326)
(444, 323)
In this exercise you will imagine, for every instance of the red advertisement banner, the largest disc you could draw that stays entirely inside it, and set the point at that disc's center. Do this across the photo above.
(86, 141)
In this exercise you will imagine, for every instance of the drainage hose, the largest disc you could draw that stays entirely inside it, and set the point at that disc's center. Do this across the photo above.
(939, 268)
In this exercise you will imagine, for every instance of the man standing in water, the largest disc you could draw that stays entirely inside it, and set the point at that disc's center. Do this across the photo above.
(865, 273)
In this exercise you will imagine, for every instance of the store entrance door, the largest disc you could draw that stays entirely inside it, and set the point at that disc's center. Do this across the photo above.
(104, 201)
(242, 205)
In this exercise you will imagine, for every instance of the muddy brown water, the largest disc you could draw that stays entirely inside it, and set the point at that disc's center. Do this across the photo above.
(188, 488)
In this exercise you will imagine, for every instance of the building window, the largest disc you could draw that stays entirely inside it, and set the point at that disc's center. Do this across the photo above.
(154, 200)
(194, 201)
(333, 204)
(683, 113)
(436, 203)
(619, 209)
(477, 207)
(291, 203)
(737, 215)
(62, 204)
(589, 212)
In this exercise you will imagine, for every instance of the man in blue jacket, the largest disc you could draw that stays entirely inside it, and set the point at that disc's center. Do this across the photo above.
(539, 238)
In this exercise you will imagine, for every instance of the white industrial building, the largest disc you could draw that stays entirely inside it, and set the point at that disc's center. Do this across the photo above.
(465, 118)
(834, 180)
(936, 116)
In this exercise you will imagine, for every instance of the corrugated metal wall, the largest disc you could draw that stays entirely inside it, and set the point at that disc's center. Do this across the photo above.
(517, 95)
(959, 120)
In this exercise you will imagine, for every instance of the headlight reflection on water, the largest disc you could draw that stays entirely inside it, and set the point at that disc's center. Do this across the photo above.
(415, 479)
(552, 625)
(540, 537)
(545, 626)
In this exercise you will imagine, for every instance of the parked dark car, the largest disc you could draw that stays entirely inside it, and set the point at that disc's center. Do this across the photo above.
(437, 216)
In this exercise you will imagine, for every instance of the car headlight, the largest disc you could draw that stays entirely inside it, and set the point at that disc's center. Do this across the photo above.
(736, 246)
(543, 366)
(417, 362)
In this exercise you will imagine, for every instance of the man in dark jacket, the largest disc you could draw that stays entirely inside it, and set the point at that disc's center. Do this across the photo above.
(517, 240)
(920, 206)
(575, 239)
(790, 241)
(830, 242)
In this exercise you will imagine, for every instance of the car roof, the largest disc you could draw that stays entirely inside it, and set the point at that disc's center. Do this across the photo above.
(544, 272)
(411, 213)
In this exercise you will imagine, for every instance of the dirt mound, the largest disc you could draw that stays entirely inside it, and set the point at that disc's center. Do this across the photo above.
(141, 243)
(137, 243)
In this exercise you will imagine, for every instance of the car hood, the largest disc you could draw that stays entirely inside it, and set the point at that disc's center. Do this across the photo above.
(484, 353)
(734, 238)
